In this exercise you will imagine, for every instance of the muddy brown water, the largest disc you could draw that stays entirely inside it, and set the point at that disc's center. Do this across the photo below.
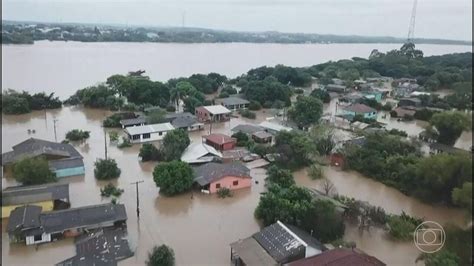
(199, 227)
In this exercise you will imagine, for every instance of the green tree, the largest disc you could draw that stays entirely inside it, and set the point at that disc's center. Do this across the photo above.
(161, 256)
(281, 177)
(315, 171)
(77, 135)
(106, 169)
(306, 111)
(33, 171)
(293, 149)
(174, 143)
(321, 95)
(173, 177)
(450, 125)
(400, 228)
(463, 196)
(148, 152)
(324, 221)
(156, 117)
(441, 258)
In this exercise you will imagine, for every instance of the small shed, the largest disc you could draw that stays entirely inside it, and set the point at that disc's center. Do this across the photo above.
(220, 142)
(132, 122)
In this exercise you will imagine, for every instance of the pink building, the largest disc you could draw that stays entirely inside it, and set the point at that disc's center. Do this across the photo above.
(213, 176)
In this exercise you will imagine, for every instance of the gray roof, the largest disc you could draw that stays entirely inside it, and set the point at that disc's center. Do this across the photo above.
(211, 172)
(184, 121)
(247, 128)
(171, 116)
(34, 147)
(232, 101)
(88, 216)
(251, 253)
(281, 243)
(24, 218)
(199, 152)
(66, 163)
(133, 121)
(30, 194)
(262, 135)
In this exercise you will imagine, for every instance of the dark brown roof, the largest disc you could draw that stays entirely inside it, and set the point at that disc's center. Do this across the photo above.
(340, 257)
(359, 108)
(210, 172)
(219, 138)
(30, 194)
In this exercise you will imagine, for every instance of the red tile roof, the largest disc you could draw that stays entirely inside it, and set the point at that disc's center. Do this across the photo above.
(340, 257)
(219, 138)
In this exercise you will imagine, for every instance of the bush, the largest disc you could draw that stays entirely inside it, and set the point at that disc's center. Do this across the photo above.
(110, 190)
(393, 113)
(242, 138)
(254, 106)
(33, 171)
(401, 228)
(224, 192)
(299, 91)
(113, 136)
(125, 143)
(397, 132)
(424, 114)
(223, 95)
(170, 108)
(77, 135)
(387, 107)
(173, 177)
(106, 169)
(247, 114)
(161, 256)
(315, 172)
(148, 152)
(322, 95)
(261, 149)
(229, 90)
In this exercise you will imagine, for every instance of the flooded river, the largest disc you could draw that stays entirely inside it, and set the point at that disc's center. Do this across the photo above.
(199, 227)
(64, 67)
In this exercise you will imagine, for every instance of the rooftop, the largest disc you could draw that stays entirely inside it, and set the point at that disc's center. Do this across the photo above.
(250, 251)
(30, 194)
(184, 122)
(340, 257)
(149, 128)
(216, 109)
(262, 134)
(274, 126)
(171, 116)
(199, 152)
(133, 121)
(247, 128)
(34, 147)
(25, 217)
(359, 108)
(232, 101)
(211, 172)
(219, 138)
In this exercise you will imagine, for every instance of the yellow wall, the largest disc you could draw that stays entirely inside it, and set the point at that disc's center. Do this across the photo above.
(47, 206)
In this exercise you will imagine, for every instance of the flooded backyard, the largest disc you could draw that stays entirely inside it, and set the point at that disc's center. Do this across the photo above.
(199, 227)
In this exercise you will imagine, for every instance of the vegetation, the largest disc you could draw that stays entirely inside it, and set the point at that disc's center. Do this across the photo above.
(266, 91)
(224, 192)
(322, 139)
(148, 152)
(113, 136)
(100, 96)
(280, 177)
(106, 169)
(397, 132)
(463, 196)
(247, 114)
(459, 242)
(77, 135)
(33, 171)
(174, 143)
(161, 256)
(323, 220)
(110, 190)
(322, 95)
(156, 117)
(254, 106)
(401, 227)
(242, 139)
(450, 126)
(293, 149)
(14, 102)
(441, 258)
(125, 143)
(424, 114)
(173, 177)
(315, 171)
(306, 111)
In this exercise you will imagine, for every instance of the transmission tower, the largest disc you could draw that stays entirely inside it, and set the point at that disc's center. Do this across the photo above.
(411, 28)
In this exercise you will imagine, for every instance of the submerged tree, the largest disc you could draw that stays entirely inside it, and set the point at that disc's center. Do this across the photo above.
(106, 169)
(161, 256)
(33, 171)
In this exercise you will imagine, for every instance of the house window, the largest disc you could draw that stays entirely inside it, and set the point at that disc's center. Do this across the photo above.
(218, 185)
(135, 137)
(146, 136)
(235, 183)
(38, 238)
(160, 133)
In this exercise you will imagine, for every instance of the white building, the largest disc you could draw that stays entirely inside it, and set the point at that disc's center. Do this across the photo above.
(146, 133)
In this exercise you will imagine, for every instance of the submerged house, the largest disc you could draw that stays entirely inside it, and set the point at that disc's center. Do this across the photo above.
(359, 109)
(199, 153)
(48, 196)
(213, 176)
(273, 128)
(220, 142)
(233, 103)
(133, 122)
(64, 160)
(276, 244)
(340, 257)
(148, 133)
(248, 129)
(212, 113)
(28, 224)
(187, 123)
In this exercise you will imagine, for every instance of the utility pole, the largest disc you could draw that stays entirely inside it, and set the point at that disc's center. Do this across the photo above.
(105, 144)
(55, 135)
(138, 199)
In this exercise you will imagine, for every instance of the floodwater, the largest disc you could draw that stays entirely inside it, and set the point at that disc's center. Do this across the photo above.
(64, 67)
(199, 227)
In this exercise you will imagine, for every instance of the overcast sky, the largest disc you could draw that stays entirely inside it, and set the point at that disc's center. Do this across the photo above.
(445, 19)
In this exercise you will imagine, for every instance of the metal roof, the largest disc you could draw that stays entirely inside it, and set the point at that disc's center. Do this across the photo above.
(30, 194)
(199, 152)
(251, 253)
(247, 128)
(133, 121)
(340, 257)
(66, 163)
(24, 218)
(274, 126)
(210, 172)
(217, 109)
(149, 128)
(185, 121)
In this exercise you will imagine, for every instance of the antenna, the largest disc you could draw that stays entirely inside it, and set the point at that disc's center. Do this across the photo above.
(411, 28)
(183, 19)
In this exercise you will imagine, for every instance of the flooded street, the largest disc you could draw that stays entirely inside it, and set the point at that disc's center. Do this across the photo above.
(199, 227)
